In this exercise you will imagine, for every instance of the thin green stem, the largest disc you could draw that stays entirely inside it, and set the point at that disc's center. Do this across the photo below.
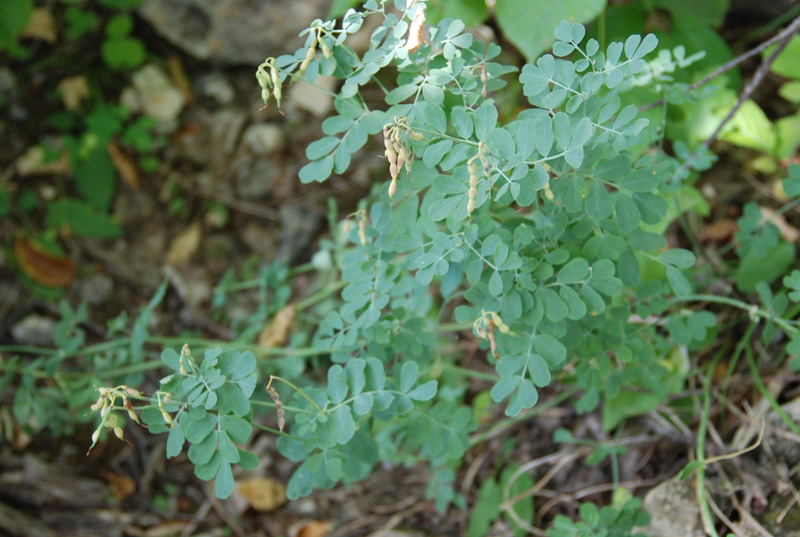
(700, 451)
(759, 383)
(276, 432)
(785, 324)
(466, 372)
(270, 404)
(320, 295)
(295, 388)
(507, 423)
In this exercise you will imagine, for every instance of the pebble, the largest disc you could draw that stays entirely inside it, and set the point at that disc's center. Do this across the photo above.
(263, 138)
(34, 330)
(158, 96)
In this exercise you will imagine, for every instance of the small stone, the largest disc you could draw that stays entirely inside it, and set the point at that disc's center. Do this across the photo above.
(254, 182)
(159, 96)
(96, 288)
(263, 138)
(313, 98)
(298, 228)
(34, 330)
(260, 239)
(216, 86)
(673, 507)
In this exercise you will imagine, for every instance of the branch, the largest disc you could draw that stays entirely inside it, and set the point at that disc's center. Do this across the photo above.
(783, 36)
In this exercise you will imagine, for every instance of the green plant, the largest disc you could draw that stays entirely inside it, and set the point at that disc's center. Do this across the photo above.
(542, 233)
(14, 16)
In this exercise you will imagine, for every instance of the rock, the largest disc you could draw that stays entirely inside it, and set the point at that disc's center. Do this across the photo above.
(34, 330)
(254, 181)
(158, 96)
(263, 138)
(235, 32)
(298, 228)
(312, 98)
(673, 507)
(96, 288)
(260, 239)
(216, 86)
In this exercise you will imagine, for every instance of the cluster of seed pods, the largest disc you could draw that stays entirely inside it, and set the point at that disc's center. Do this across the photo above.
(270, 82)
(472, 168)
(484, 328)
(396, 153)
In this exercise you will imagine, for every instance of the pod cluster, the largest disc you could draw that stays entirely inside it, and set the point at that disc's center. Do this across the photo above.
(270, 82)
(396, 153)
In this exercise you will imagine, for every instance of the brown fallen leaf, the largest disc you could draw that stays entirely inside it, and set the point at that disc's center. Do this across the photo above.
(185, 245)
(42, 266)
(74, 90)
(32, 162)
(309, 528)
(263, 494)
(788, 231)
(41, 25)
(126, 168)
(121, 486)
(719, 230)
(277, 332)
(178, 75)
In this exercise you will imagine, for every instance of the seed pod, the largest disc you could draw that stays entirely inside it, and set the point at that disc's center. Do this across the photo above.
(261, 76)
(393, 171)
(265, 95)
(392, 188)
(325, 50)
(98, 405)
(548, 193)
(131, 411)
(402, 157)
(310, 53)
(276, 85)
(362, 229)
(417, 136)
(278, 407)
(415, 31)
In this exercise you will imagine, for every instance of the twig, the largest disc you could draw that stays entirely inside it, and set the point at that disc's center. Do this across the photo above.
(724, 68)
(759, 75)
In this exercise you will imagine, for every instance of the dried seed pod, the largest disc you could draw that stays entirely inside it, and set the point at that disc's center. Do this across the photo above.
(392, 189)
(473, 186)
(362, 229)
(131, 412)
(415, 31)
(278, 407)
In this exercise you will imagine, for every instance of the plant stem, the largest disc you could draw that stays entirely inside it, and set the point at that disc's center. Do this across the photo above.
(759, 383)
(276, 432)
(295, 388)
(466, 372)
(500, 427)
(700, 451)
(785, 324)
(320, 295)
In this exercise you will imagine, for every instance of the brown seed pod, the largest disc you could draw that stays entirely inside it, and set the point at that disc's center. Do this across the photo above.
(278, 407)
